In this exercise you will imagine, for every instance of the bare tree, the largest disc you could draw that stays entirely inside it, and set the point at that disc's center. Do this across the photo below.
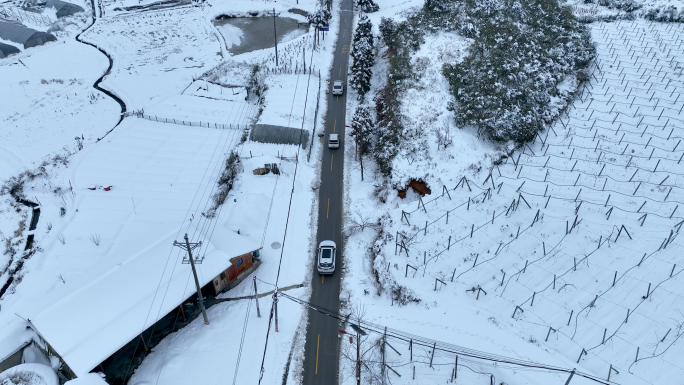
(359, 221)
(362, 353)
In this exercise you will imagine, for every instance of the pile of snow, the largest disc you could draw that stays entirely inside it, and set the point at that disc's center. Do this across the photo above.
(29, 374)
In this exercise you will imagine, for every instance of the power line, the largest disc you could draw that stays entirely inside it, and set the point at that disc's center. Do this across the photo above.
(287, 221)
(443, 346)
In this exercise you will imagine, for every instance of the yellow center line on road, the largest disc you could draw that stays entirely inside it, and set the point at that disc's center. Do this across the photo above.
(340, 72)
(331, 161)
(322, 278)
(328, 211)
(338, 99)
(334, 125)
(317, 345)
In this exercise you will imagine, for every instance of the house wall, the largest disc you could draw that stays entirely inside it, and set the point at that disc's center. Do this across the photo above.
(221, 281)
(13, 359)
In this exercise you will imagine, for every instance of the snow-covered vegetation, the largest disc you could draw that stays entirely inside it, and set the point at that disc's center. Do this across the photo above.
(563, 250)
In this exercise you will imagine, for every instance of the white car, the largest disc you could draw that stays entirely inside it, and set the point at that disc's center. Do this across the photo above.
(326, 257)
(338, 87)
(334, 141)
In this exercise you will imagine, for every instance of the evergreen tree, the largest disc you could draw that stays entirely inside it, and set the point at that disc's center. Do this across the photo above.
(362, 123)
(363, 57)
(363, 29)
(368, 6)
(320, 18)
(439, 5)
(388, 32)
(388, 130)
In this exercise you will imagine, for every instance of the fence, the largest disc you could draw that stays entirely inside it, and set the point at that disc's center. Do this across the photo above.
(155, 118)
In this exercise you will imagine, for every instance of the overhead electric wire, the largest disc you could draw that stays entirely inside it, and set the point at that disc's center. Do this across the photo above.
(202, 226)
(445, 347)
(287, 221)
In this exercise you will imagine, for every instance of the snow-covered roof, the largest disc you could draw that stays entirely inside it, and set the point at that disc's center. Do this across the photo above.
(6, 50)
(88, 379)
(23, 35)
(63, 8)
(88, 319)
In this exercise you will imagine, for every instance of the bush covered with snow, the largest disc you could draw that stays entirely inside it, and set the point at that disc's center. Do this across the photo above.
(520, 53)
(225, 183)
(667, 14)
(624, 5)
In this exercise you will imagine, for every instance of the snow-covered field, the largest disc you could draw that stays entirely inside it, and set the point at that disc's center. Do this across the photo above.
(542, 236)
(48, 100)
(149, 180)
(567, 247)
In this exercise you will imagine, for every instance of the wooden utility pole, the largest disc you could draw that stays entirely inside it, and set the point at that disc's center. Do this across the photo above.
(256, 298)
(358, 360)
(382, 370)
(359, 332)
(275, 305)
(570, 378)
(187, 246)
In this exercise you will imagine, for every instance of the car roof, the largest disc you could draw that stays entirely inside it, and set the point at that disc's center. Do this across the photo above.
(334, 136)
(327, 244)
(337, 82)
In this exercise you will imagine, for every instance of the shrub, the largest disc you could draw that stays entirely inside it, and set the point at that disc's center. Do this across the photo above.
(668, 14)
(521, 52)
(225, 183)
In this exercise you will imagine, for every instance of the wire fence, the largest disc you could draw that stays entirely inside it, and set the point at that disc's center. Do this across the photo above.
(155, 118)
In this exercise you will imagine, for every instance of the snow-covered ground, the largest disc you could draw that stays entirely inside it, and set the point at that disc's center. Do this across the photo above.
(569, 275)
(162, 171)
(48, 99)
(611, 161)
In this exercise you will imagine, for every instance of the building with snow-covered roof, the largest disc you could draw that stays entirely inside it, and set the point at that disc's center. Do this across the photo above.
(20, 34)
(116, 308)
(6, 50)
(63, 8)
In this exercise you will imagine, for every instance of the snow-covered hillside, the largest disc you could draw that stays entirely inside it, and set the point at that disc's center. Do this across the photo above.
(564, 251)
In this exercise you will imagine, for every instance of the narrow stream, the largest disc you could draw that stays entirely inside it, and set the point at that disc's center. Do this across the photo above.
(109, 69)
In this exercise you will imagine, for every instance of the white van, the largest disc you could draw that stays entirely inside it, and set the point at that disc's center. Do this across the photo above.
(334, 141)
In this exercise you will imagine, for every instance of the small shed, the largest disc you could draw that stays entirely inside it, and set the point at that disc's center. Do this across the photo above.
(20, 34)
(6, 50)
(232, 275)
(63, 8)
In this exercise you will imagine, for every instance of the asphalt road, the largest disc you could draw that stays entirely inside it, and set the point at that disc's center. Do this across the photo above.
(321, 353)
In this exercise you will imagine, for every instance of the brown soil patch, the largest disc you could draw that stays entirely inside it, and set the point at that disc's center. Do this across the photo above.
(418, 187)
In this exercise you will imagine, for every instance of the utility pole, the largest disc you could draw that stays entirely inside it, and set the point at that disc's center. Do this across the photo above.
(570, 378)
(275, 36)
(187, 246)
(314, 38)
(382, 371)
(256, 298)
(359, 332)
(275, 304)
(358, 359)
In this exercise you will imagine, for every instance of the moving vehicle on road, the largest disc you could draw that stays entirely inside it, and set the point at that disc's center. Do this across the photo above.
(334, 141)
(326, 257)
(338, 87)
